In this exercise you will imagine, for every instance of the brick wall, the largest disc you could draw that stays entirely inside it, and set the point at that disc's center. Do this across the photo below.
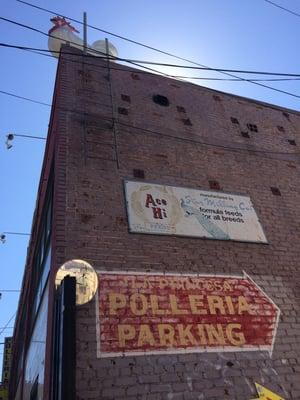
(100, 153)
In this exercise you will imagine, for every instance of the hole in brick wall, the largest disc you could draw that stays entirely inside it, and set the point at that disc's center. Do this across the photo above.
(275, 191)
(136, 77)
(245, 134)
(292, 142)
(161, 155)
(122, 110)
(291, 166)
(216, 98)
(125, 97)
(180, 109)
(214, 185)
(161, 100)
(286, 115)
(234, 120)
(252, 127)
(139, 173)
(280, 128)
(230, 364)
(187, 122)
(85, 218)
(121, 221)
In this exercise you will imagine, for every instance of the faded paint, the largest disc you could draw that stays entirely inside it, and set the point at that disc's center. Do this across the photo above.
(157, 313)
(171, 210)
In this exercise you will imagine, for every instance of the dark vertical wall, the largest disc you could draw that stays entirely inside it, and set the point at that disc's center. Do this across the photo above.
(188, 143)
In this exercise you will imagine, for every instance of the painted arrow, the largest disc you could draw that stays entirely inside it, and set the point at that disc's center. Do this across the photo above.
(266, 394)
(224, 313)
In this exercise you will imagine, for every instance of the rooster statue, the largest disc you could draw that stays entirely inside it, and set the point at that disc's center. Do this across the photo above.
(63, 32)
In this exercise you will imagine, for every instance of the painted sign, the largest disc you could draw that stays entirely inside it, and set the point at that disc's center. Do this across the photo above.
(7, 353)
(169, 210)
(154, 313)
(266, 394)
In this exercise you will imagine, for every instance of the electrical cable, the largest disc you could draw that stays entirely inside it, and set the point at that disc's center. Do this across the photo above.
(17, 233)
(158, 64)
(172, 136)
(237, 78)
(6, 325)
(25, 98)
(206, 143)
(91, 50)
(37, 51)
(9, 290)
(281, 7)
(160, 51)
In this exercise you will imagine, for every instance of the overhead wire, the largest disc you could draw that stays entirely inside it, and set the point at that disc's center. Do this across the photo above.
(176, 137)
(158, 50)
(280, 7)
(42, 51)
(8, 322)
(55, 37)
(25, 98)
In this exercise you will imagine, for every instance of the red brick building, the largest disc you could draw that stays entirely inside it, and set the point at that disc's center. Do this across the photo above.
(112, 126)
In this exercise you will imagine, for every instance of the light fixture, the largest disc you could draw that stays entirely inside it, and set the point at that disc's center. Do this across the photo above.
(9, 139)
(2, 238)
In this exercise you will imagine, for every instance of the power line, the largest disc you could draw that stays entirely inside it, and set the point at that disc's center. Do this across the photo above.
(161, 51)
(294, 77)
(206, 143)
(212, 69)
(17, 233)
(181, 139)
(25, 98)
(55, 37)
(9, 291)
(161, 64)
(6, 325)
(281, 7)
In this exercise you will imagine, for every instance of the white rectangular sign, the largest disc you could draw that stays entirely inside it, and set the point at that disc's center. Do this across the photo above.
(170, 210)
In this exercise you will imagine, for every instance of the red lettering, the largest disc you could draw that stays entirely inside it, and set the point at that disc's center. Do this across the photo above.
(157, 213)
(149, 200)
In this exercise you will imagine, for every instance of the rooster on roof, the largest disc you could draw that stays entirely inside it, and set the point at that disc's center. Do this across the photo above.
(64, 33)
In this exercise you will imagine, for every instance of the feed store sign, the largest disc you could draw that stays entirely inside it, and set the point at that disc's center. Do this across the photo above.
(169, 210)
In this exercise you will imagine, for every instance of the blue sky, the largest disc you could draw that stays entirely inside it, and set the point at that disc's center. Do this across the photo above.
(234, 34)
